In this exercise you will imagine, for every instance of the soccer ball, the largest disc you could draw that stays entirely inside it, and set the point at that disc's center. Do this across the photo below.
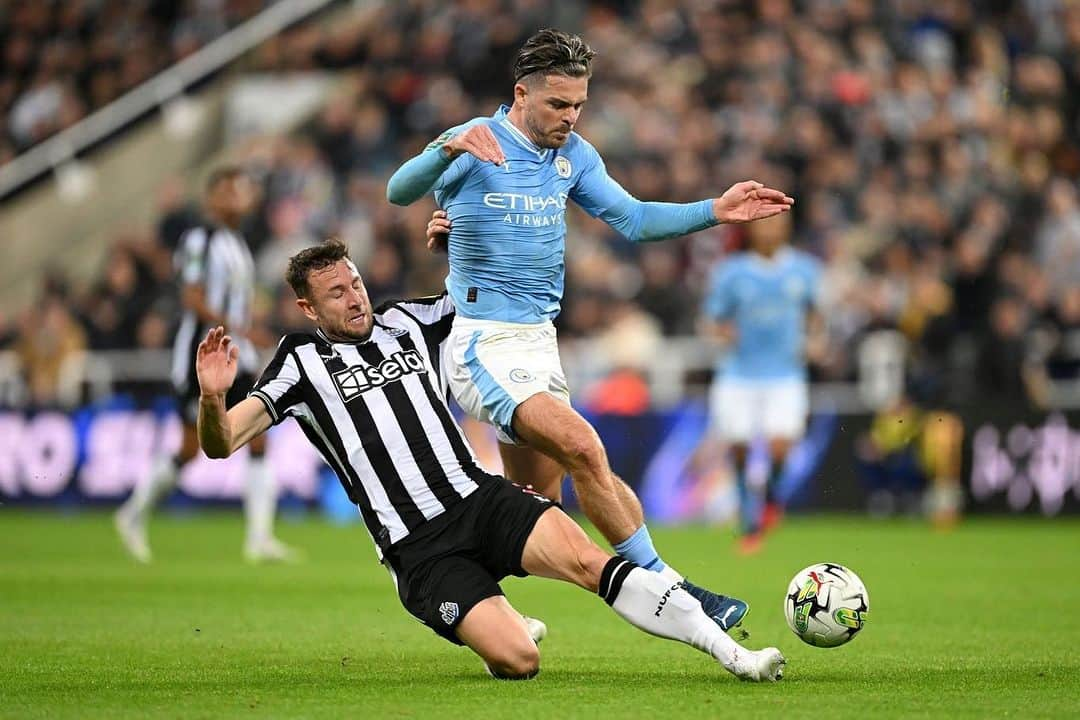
(826, 605)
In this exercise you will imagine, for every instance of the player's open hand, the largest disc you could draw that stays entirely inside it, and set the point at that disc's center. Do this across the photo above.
(215, 362)
(748, 201)
(438, 232)
(478, 141)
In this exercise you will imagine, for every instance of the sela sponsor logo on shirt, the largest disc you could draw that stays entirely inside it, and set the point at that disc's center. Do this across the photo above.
(358, 379)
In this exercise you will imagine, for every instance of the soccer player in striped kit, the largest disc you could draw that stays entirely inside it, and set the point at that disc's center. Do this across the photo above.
(217, 274)
(367, 387)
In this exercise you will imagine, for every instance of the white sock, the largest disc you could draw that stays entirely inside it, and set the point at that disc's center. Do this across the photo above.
(649, 602)
(151, 489)
(260, 501)
(671, 575)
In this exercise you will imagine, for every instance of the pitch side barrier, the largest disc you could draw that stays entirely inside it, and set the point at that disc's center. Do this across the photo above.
(1013, 461)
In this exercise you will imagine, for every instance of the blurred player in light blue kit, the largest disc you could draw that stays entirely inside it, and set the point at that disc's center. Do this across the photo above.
(504, 182)
(762, 302)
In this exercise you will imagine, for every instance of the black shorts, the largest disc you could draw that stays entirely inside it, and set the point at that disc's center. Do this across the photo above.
(448, 566)
(188, 397)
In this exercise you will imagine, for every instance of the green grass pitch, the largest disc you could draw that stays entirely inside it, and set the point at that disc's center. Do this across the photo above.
(980, 622)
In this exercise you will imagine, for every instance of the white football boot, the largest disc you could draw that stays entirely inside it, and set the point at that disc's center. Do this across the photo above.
(132, 532)
(759, 666)
(537, 628)
(270, 550)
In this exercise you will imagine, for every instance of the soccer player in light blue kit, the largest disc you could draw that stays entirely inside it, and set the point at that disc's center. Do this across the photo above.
(762, 303)
(504, 182)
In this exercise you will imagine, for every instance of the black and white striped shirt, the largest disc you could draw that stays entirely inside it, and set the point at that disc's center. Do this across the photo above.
(376, 411)
(219, 260)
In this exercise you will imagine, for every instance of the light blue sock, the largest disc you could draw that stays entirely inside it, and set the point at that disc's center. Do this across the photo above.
(750, 505)
(638, 549)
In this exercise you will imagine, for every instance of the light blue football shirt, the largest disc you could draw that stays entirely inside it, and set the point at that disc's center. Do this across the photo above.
(508, 239)
(768, 301)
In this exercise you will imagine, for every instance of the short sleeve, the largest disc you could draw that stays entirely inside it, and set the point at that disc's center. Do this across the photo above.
(279, 387)
(192, 255)
(431, 310)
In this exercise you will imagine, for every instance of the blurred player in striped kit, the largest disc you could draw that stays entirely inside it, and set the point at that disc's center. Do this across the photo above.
(217, 274)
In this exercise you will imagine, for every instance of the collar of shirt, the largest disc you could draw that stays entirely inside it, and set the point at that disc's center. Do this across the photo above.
(779, 258)
(520, 137)
(378, 332)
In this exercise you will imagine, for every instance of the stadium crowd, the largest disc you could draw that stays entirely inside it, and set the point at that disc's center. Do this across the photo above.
(62, 59)
(933, 148)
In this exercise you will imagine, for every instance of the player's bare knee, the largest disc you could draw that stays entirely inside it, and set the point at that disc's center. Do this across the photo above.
(520, 663)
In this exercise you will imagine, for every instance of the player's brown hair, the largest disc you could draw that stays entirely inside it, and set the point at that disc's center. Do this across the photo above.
(310, 259)
(553, 52)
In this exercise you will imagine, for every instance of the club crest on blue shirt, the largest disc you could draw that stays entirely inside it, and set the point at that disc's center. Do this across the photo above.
(562, 166)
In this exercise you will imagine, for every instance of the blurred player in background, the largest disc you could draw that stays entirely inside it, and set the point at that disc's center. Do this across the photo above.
(504, 182)
(218, 286)
(368, 388)
(761, 303)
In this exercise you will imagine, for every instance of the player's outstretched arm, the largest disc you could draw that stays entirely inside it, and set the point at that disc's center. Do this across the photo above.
(417, 177)
(601, 196)
(748, 201)
(221, 432)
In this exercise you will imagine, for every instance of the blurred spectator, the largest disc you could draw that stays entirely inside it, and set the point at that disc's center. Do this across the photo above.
(176, 213)
(61, 60)
(909, 461)
(114, 307)
(49, 341)
(888, 459)
(662, 293)
(1006, 370)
